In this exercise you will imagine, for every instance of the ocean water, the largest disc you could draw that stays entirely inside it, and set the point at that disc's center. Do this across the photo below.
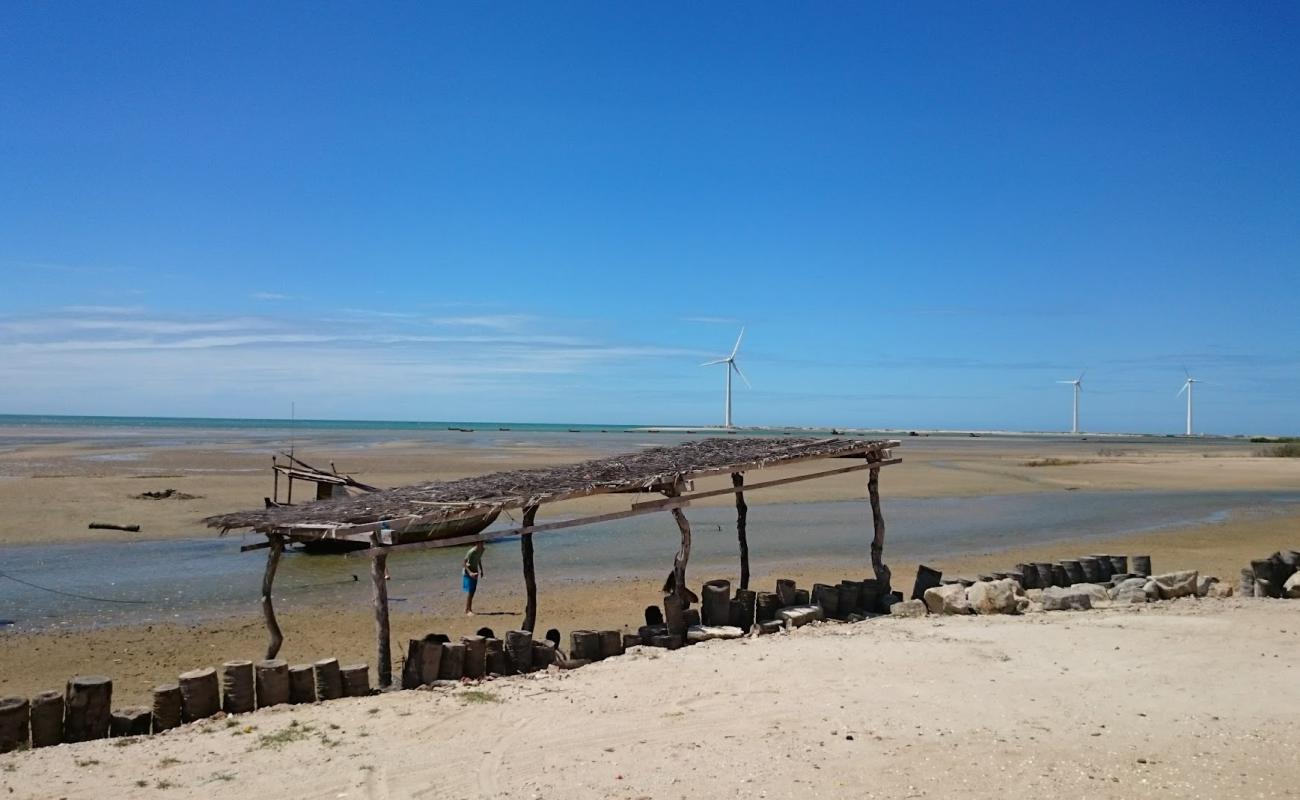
(189, 580)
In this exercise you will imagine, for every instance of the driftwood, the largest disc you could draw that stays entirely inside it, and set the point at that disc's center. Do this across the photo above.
(877, 521)
(112, 526)
(268, 607)
(742, 538)
(530, 576)
(166, 712)
(47, 719)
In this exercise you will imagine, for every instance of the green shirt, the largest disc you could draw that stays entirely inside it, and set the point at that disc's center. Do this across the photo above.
(474, 560)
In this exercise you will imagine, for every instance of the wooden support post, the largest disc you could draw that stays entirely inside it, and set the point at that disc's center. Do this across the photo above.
(878, 523)
(530, 577)
(742, 512)
(275, 482)
(684, 552)
(378, 569)
(268, 608)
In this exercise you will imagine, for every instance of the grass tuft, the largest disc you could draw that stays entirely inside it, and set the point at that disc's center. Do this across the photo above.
(478, 696)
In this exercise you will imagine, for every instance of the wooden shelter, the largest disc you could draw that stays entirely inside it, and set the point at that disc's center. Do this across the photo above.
(377, 519)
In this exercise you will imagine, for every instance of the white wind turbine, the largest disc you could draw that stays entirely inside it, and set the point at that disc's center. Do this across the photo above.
(1077, 383)
(730, 361)
(1187, 387)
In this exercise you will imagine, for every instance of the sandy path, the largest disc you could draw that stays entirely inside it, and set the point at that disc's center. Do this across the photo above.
(1184, 699)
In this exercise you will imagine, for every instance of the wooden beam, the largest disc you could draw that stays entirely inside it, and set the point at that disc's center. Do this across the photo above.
(742, 514)
(530, 577)
(638, 510)
(685, 499)
(244, 548)
(276, 544)
(402, 523)
(384, 656)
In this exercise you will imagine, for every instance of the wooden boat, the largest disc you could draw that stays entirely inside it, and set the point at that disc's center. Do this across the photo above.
(332, 483)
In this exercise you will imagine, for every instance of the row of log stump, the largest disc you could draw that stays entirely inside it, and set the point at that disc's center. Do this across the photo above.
(83, 711)
(1097, 569)
(1269, 577)
(436, 658)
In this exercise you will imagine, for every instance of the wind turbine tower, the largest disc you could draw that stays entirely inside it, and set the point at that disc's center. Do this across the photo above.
(1188, 385)
(1077, 383)
(730, 361)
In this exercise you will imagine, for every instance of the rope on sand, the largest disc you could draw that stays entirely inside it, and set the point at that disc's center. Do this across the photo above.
(70, 594)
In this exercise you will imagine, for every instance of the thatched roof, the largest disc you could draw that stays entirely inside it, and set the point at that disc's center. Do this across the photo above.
(646, 470)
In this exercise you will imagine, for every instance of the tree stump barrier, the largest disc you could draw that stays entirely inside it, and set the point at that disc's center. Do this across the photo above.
(1141, 565)
(1091, 569)
(15, 717)
(748, 600)
(926, 578)
(452, 666)
(356, 680)
(674, 615)
(271, 677)
(1246, 585)
(1045, 574)
(166, 711)
(824, 595)
(200, 694)
(766, 606)
(543, 655)
(237, 687)
(691, 617)
(519, 648)
(1073, 571)
(87, 708)
(611, 644)
(785, 589)
(631, 640)
(302, 683)
(715, 602)
(870, 596)
(584, 644)
(654, 615)
(498, 661)
(474, 665)
(130, 722)
(1028, 576)
(668, 641)
(329, 680)
(1017, 576)
(1104, 566)
(1059, 576)
(47, 719)
(1118, 565)
(649, 632)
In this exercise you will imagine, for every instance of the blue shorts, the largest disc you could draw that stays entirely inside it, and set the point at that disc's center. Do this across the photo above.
(468, 584)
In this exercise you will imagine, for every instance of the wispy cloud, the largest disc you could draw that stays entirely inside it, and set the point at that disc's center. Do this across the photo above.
(269, 296)
(705, 320)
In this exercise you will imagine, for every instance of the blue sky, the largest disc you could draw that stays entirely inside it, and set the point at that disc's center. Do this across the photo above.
(924, 213)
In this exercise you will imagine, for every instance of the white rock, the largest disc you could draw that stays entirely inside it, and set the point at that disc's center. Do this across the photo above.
(703, 633)
(1292, 586)
(1220, 590)
(1203, 585)
(798, 616)
(1130, 591)
(947, 599)
(993, 597)
(1067, 598)
(908, 608)
(1172, 585)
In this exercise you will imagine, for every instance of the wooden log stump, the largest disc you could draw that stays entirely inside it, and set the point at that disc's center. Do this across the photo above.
(1073, 571)
(785, 589)
(1265, 588)
(584, 644)
(430, 660)
(356, 680)
(767, 604)
(748, 600)
(237, 687)
(1264, 569)
(674, 615)
(272, 678)
(649, 632)
(850, 597)
(1029, 576)
(801, 597)
(654, 615)
(1104, 566)
(926, 578)
(452, 666)
(15, 730)
(1141, 566)
(1118, 565)
(611, 642)
(1091, 569)
(475, 663)
(88, 705)
(691, 617)
(47, 719)
(302, 683)
(1059, 576)
(1045, 574)
(329, 680)
(824, 595)
(1017, 576)
(870, 596)
(130, 722)
(668, 641)
(166, 711)
(543, 655)
(519, 647)
(200, 694)
(631, 640)
(715, 602)
(411, 666)
(498, 662)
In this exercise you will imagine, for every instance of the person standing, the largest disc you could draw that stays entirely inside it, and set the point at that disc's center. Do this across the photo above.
(472, 570)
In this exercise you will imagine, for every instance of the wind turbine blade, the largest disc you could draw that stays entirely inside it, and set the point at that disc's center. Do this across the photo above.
(1180, 391)
(1070, 382)
(736, 367)
(711, 363)
(1081, 374)
(1185, 372)
(736, 349)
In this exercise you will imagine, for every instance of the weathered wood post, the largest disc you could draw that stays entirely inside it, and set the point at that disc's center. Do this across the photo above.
(15, 715)
(237, 687)
(88, 704)
(47, 719)
(329, 679)
(684, 552)
(200, 694)
(378, 571)
(877, 522)
(166, 711)
(272, 682)
(530, 577)
(742, 514)
(268, 608)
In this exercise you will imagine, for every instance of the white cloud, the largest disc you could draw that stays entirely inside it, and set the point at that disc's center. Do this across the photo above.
(270, 296)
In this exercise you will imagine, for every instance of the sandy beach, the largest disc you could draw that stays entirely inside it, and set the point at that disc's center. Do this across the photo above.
(1112, 703)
